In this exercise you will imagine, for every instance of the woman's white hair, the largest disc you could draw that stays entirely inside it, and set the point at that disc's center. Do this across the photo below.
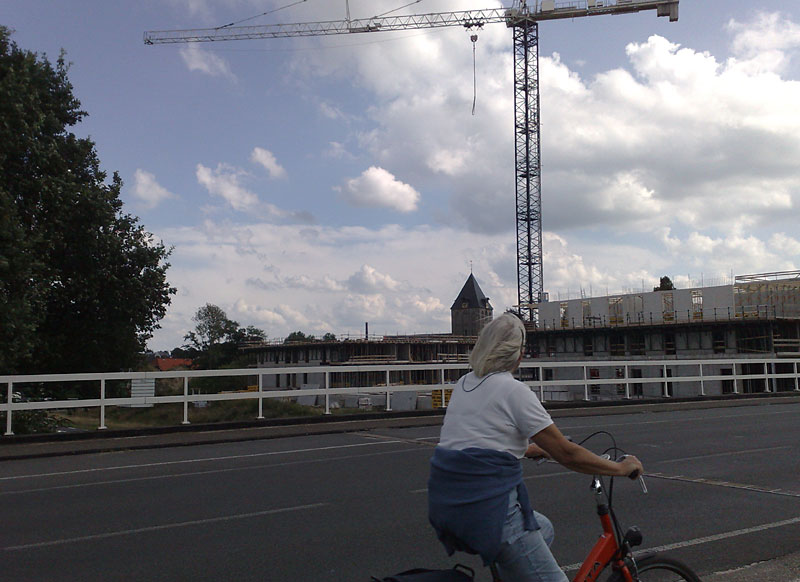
(499, 346)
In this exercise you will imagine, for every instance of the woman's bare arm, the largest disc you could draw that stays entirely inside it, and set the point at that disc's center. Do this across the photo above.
(579, 459)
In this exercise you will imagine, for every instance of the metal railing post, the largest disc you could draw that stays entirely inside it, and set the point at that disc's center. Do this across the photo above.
(441, 378)
(185, 400)
(388, 397)
(627, 384)
(327, 396)
(102, 404)
(796, 384)
(702, 384)
(766, 377)
(541, 384)
(585, 386)
(8, 409)
(665, 390)
(735, 380)
(260, 397)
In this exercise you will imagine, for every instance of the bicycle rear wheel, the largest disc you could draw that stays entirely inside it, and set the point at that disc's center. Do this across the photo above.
(657, 568)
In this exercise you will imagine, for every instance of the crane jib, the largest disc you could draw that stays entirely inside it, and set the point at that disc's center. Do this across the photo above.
(467, 18)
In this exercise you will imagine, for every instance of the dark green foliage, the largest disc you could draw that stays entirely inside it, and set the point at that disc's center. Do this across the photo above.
(212, 327)
(216, 339)
(82, 284)
(36, 421)
(298, 336)
(665, 284)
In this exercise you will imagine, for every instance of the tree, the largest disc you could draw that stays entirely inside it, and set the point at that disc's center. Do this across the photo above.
(249, 334)
(212, 327)
(298, 336)
(82, 284)
(665, 284)
(216, 338)
(329, 337)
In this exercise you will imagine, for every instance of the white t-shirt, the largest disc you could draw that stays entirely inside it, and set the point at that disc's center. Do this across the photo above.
(494, 412)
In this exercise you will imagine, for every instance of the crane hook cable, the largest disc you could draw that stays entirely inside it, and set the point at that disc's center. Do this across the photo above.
(474, 39)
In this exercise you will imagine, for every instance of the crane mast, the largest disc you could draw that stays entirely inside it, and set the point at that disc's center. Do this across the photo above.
(524, 22)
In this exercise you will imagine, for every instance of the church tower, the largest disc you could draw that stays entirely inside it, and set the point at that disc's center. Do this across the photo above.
(471, 310)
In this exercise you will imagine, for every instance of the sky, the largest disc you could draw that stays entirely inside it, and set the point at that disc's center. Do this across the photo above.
(317, 184)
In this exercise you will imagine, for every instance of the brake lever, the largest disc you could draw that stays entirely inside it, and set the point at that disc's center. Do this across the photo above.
(642, 483)
(637, 475)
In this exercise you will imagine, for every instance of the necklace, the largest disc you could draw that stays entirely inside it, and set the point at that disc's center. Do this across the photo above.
(486, 377)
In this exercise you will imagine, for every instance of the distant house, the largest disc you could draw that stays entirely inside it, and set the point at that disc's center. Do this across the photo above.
(167, 364)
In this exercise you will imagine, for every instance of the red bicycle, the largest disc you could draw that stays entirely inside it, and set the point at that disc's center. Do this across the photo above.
(613, 551)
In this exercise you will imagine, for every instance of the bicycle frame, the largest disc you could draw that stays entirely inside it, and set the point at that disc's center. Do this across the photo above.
(607, 549)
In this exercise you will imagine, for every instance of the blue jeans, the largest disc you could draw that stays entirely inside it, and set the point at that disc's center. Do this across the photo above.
(525, 555)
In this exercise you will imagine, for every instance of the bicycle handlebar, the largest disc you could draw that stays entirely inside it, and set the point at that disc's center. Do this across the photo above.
(633, 476)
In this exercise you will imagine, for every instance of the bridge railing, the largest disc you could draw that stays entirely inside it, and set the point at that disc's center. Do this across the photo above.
(551, 380)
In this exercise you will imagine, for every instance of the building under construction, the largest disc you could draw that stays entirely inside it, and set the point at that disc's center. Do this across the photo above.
(756, 316)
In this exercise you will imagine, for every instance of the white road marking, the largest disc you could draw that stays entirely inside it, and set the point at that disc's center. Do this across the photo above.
(187, 461)
(726, 454)
(669, 420)
(709, 539)
(195, 473)
(727, 484)
(161, 527)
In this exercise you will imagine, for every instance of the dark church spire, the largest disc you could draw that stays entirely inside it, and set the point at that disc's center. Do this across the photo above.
(471, 310)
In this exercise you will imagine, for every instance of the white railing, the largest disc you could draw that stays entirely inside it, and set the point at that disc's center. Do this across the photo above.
(579, 380)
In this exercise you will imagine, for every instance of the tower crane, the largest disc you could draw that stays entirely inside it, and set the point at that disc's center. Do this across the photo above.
(523, 18)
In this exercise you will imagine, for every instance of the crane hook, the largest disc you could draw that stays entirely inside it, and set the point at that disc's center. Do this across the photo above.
(474, 39)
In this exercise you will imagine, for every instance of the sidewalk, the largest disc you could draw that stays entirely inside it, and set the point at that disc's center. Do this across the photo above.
(785, 569)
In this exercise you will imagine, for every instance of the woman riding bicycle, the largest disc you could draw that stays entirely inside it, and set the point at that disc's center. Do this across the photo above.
(477, 500)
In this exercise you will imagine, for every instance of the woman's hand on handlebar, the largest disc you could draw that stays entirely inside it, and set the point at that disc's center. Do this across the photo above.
(630, 466)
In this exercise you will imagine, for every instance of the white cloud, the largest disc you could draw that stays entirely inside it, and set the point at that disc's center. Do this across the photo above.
(198, 59)
(224, 182)
(337, 151)
(148, 191)
(267, 159)
(784, 245)
(331, 111)
(259, 315)
(369, 280)
(737, 251)
(645, 146)
(284, 277)
(378, 188)
(325, 284)
(765, 42)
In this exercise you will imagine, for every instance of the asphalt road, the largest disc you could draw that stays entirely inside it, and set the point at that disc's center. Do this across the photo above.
(724, 492)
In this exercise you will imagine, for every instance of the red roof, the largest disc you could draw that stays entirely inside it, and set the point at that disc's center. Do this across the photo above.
(167, 364)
